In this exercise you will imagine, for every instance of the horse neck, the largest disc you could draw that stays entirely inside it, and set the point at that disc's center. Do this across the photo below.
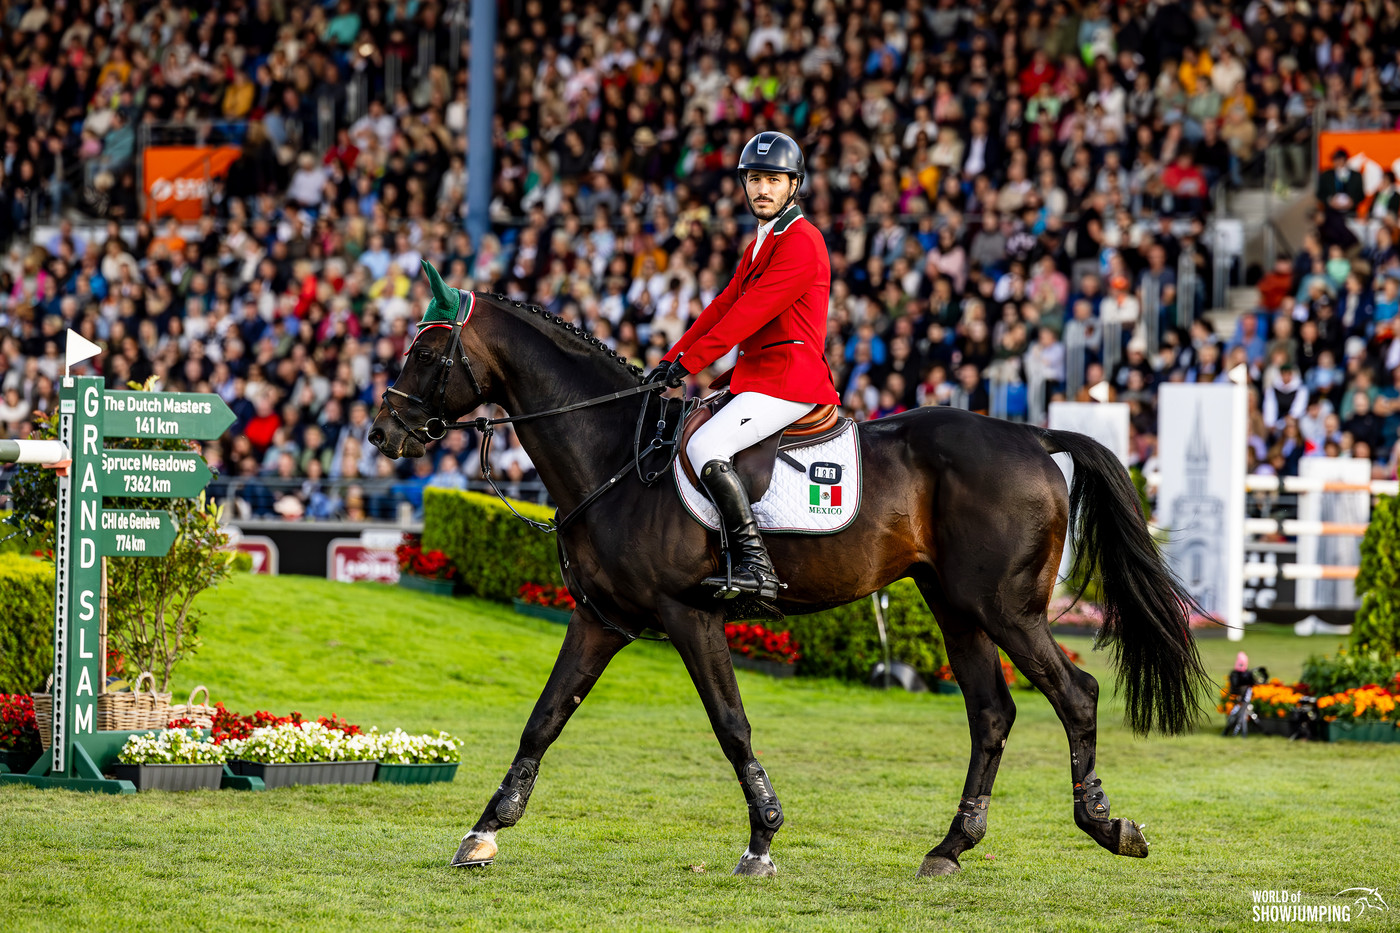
(538, 365)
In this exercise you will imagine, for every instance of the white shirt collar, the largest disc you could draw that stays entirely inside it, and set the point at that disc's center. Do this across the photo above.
(763, 231)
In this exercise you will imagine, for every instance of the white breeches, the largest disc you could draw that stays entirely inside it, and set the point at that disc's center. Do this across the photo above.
(747, 419)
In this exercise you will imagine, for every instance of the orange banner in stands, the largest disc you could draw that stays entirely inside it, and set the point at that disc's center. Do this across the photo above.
(177, 178)
(1369, 153)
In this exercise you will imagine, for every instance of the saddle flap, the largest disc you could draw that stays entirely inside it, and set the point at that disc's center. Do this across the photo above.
(753, 464)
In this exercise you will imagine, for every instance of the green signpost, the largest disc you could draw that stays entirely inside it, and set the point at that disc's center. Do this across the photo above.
(85, 532)
(163, 473)
(165, 414)
(135, 533)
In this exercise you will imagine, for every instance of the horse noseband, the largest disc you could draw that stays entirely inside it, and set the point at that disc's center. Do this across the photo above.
(435, 427)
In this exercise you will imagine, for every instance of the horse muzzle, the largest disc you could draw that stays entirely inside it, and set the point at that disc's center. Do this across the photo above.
(393, 441)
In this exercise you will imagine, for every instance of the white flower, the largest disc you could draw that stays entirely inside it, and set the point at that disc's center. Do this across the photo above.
(171, 746)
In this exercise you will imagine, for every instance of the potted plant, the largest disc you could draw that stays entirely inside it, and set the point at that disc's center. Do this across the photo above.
(19, 735)
(1273, 703)
(172, 759)
(1361, 714)
(426, 571)
(303, 753)
(758, 648)
(544, 601)
(417, 759)
(945, 682)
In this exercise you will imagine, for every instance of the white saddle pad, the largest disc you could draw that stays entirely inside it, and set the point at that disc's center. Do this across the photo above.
(823, 498)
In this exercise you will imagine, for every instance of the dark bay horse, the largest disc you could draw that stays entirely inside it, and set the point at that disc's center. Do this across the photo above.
(974, 509)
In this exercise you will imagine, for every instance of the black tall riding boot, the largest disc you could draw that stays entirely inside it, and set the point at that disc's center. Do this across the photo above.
(752, 570)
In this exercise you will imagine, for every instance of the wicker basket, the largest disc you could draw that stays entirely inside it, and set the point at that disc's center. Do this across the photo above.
(201, 714)
(43, 714)
(127, 712)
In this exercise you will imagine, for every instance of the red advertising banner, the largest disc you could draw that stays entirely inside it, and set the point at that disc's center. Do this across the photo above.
(263, 551)
(1370, 154)
(177, 177)
(350, 560)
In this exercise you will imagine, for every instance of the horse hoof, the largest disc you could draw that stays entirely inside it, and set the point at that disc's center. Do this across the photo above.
(937, 865)
(753, 866)
(474, 852)
(1131, 841)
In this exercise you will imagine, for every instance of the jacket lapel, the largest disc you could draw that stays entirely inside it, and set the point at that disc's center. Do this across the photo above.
(766, 250)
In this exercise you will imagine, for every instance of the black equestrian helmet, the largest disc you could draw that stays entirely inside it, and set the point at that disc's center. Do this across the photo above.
(773, 152)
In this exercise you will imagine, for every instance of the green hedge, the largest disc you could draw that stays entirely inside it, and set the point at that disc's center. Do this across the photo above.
(494, 551)
(1377, 625)
(26, 624)
(497, 552)
(844, 642)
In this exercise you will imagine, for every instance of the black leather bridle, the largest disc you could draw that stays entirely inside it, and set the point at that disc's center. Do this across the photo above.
(433, 403)
(436, 426)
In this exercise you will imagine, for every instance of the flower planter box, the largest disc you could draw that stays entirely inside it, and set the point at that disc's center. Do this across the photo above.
(947, 686)
(416, 774)
(548, 613)
(310, 772)
(1341, 731)
(411, 581)
(170, 777)
(1273, 725)
(771, 668)
(17, 761)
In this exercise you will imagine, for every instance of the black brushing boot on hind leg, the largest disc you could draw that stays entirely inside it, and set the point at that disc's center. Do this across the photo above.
(751, 571)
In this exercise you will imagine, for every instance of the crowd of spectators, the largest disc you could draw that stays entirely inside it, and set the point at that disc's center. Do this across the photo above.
(1003, 187)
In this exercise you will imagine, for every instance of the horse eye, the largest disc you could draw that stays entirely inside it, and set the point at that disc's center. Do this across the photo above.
(425, 354)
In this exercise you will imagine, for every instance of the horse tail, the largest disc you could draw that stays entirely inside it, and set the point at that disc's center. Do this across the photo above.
(1146, 610)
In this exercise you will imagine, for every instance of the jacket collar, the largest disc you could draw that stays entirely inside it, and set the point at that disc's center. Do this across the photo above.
(780, 223)
(786, 218)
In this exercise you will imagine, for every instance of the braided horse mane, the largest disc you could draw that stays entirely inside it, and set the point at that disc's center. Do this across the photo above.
(593, 342)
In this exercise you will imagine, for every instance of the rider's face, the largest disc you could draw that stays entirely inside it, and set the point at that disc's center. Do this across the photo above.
(768, 192)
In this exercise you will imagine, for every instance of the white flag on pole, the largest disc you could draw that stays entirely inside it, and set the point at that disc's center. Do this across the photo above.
(79, 348)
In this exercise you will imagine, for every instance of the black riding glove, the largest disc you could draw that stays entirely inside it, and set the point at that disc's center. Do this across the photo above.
(672, 374)
(676, 375)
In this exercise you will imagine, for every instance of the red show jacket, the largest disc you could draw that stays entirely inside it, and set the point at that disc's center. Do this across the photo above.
(774, 310)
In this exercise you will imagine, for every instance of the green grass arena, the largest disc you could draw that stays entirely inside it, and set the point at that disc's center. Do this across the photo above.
(637, 820)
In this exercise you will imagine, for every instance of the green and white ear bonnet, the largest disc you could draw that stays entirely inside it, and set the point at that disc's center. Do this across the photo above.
(442, 310)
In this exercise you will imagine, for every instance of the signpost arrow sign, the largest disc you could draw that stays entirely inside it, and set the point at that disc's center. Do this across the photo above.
(166, 474)
(202, 416)
(135, 533)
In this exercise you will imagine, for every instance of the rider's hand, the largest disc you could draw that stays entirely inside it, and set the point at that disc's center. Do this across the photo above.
(676, 375)
(673, 374)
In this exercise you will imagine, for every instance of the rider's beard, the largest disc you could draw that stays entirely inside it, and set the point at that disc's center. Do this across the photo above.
(766, 211)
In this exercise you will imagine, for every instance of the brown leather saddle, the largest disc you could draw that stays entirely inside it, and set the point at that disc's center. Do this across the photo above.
(755, 464)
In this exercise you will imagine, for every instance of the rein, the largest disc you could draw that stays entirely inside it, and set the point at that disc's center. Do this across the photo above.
(435, 427)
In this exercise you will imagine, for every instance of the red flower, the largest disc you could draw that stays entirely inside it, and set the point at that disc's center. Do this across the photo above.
(432, 564)
(556, 597)
(761, 643)
(17, 726)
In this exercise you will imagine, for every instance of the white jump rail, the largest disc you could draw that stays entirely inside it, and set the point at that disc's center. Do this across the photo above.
(1256, 483)
(1294, 527)
(1262, 571)
(32, 451)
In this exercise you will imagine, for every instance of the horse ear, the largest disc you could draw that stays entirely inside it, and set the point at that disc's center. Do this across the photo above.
(445, 299)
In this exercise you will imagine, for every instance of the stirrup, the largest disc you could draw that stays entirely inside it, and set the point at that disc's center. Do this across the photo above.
(728, 587)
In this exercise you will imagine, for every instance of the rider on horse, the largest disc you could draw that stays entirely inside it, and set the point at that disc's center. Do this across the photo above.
(774, 309)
